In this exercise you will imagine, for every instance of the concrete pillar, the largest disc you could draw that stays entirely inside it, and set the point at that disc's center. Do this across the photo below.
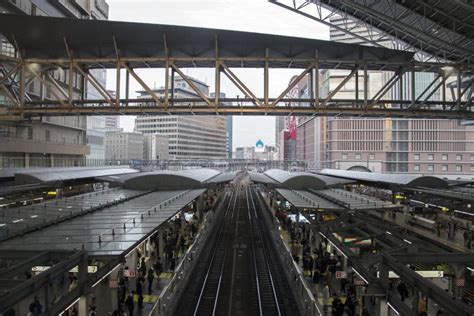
(51, 160)
(382, 307)
(82, 306)
(161, 244)
(27, 160)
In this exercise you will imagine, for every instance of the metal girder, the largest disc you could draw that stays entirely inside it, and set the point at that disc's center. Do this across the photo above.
(426, 287)
(461, 258)
(396, 24)
(37, 282)
(192, 85)
(24, 265)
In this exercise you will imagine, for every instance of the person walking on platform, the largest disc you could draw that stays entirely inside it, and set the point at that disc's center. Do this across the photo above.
(129, 303)
(150, 277)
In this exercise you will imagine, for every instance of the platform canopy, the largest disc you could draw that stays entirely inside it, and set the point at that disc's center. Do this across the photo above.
(32, 176)
(169, 179)
(55, 38)
(387, 178)
(302, 180)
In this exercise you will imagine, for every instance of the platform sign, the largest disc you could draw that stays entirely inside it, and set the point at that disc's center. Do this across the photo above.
(341, 275)
(129, 273)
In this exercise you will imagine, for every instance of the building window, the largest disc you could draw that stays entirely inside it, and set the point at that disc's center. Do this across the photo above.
(444, 167)
(444, 157)
(472, 157)
(358, 156)
(47, 135)
(417, 156)
(430, 167)
(458, 157)
(372, 156)
(30, 132)
(416, 168)
(430, 156)
(472, 168)
(458, 168)
(344, 156)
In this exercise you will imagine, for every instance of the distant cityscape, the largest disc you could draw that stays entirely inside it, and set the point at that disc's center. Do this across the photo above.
(420, 146)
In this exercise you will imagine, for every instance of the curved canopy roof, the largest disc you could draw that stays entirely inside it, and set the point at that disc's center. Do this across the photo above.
(167, 179)
(389, 179)
(68, 174)
(45, 37)
(301, 180)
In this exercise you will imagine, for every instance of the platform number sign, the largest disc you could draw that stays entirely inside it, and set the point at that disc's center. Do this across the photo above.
(341, 275)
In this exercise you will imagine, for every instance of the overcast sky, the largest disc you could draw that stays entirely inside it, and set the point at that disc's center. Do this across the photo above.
(245, 15)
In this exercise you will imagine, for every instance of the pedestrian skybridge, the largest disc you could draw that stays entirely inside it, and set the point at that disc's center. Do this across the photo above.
(45, 44)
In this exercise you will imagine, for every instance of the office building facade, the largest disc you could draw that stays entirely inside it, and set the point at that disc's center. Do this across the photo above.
(156, 147)
(53, 141)
(123, 147)
(190, 137)
(420, 146)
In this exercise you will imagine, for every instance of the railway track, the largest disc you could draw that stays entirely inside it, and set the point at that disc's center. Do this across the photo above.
(241, 273)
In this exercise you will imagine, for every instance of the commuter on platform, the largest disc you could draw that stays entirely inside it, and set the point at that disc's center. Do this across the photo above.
(143, 267)
(150, 277)
(337, 306)
(129, 303)
(35, 307)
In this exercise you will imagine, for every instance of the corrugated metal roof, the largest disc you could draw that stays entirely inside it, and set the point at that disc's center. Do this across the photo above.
(121, 227)
(301, 180)
(396, 179)
(68, 174)
(14, 221)
(305, 199)
(147, 40)
(223, 177)
(260, 178)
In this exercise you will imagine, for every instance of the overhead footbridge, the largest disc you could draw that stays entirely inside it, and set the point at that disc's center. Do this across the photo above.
(59, 43)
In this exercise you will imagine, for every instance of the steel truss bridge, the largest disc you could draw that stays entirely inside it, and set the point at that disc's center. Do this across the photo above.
(67, 44)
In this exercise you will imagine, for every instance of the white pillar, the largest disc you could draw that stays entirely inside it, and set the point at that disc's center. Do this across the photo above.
(383, 307)
(82, 306)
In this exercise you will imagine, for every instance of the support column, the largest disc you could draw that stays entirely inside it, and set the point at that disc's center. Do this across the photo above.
(382, 307)
(82, 306)
(51, 160)
(27, 160)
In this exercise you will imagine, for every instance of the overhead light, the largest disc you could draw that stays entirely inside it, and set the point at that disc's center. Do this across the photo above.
(407, 241)
(393, 308)
(388, 232)
(67, 308)
(470, 269)
(96, 283)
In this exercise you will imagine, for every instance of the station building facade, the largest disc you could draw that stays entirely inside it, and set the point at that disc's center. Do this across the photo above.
(54, 141)
(420, 146)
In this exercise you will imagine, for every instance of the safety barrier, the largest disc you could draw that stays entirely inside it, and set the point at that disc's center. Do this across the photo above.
(308, 303)
(167, 301)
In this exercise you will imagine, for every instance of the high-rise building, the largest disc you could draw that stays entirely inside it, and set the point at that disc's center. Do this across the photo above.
(53, 141)
(381, 144)
(230, 135)
(156, 147)
(197, 137)
(122, 146)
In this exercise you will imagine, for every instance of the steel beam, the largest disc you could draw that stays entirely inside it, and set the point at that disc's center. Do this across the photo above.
(339, 87)
(192, 85)
(240, 85)
(145, 86)
(89, 78)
